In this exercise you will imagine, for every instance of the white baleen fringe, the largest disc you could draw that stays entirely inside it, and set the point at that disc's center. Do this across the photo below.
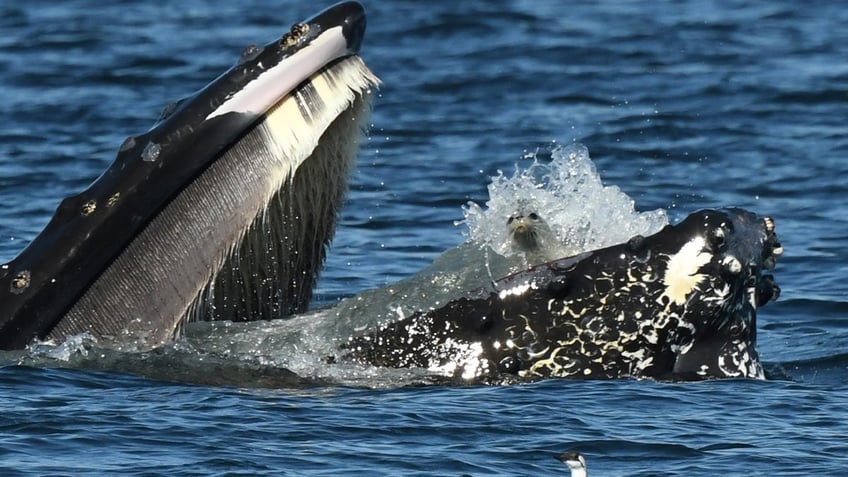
(308, 143)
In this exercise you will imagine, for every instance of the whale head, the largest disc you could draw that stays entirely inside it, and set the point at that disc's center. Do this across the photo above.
(678, 304)
(222, 210)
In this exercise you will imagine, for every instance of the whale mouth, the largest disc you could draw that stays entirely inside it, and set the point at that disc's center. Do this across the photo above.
(222, 210)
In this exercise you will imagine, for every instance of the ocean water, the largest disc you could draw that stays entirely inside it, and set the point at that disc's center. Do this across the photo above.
(681, 105)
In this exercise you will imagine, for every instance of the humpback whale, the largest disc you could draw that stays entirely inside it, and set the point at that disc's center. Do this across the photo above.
(222, 210)
(679, 304)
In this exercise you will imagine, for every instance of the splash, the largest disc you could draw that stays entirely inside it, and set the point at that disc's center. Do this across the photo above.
(567, 193)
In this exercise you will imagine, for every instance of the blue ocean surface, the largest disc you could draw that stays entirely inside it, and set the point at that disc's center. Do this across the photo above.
(682, 105)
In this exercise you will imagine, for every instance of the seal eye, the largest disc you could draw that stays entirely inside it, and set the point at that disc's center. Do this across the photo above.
(510, 219)
(533, 216)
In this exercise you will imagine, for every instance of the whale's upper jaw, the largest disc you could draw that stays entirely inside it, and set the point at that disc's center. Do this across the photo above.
(89, 230)
(264, 75)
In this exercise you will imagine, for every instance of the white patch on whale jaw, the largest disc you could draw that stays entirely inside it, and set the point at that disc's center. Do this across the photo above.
(681, 274)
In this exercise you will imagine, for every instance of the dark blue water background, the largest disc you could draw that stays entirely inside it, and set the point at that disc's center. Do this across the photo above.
(683, 105)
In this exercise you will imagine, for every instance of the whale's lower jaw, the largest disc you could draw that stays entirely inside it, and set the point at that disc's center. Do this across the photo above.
(680, 304)
(247, 238)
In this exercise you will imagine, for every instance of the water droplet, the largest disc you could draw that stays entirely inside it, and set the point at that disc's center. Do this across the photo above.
(151, 152)
(113, 199)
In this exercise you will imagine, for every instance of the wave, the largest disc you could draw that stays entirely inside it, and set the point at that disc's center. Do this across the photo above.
(825, 370)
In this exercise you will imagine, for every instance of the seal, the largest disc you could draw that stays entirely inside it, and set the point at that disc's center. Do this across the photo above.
(222, 210)
(575, 462)
(531, 235)
(680, 304)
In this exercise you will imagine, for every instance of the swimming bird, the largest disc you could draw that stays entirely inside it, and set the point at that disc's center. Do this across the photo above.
(575, 461)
